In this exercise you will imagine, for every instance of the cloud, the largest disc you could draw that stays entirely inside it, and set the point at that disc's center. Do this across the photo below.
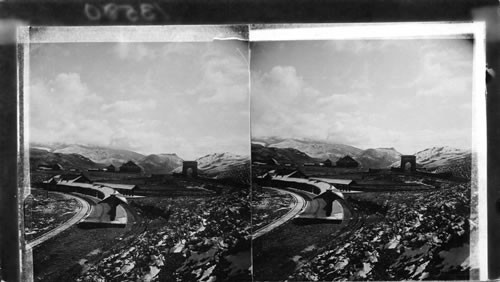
(447, 87)
(129, 106)
(284, 104)
(445, 70)
(60, 109)
(224, 79)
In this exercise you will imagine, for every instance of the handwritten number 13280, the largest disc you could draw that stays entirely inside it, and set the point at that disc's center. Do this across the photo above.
(112, 12)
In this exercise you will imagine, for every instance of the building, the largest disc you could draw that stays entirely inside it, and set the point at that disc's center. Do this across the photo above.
(408, 161)
(341, 184)
(130, 167)
(190, 168)
(111, 168)
(124, 189)
(347, 161)
(328, 163)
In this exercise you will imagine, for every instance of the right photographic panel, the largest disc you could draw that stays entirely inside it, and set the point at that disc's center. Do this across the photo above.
(368, 152)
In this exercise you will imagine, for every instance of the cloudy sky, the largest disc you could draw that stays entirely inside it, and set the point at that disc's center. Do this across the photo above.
(406, 94)
(186, 98)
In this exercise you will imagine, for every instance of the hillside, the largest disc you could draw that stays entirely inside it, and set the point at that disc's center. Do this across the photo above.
(439, 156)
(270, 155)
(160, 164)
(444, 159)
(102, 155)
(435, 157)
(378, 158)
(40, 156)
(319, 149)
(300, 151)
(223, 166)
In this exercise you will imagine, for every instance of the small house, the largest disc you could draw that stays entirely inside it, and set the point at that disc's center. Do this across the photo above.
(130, 167)
(111, 168)
(328, 163)
(347, 161)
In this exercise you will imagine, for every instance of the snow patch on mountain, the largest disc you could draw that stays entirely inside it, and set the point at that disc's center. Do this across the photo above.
(435, 157)
(102, 155)
(319, 149)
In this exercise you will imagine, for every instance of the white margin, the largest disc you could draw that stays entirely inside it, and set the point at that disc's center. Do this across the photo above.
(352, 31)
(479, 142)
(179, 33)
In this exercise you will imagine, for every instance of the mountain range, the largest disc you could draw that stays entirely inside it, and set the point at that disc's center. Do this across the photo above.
(298, 151)
(222, 165)
(265, 150)
(84, 157)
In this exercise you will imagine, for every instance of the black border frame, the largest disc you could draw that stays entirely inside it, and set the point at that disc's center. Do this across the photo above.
(72, 12)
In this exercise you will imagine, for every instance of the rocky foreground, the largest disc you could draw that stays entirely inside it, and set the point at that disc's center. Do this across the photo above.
(402, 236)
(186, 239)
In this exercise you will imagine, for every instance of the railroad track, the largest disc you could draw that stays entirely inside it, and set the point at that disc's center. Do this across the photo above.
(85, 209)
(299, 205)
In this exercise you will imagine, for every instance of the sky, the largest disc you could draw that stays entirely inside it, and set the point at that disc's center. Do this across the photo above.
(191, 99)
(405, 94)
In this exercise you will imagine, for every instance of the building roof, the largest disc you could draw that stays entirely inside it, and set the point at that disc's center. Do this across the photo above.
(321, 185)
(334, 181)
(107, 191)
(347, 159)
(67, 178)
(130, 163)
(117, 186)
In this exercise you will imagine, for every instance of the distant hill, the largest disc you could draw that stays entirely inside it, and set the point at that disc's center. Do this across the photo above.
(98, 154)
(41, 156)
(319, 149)
(444, 159)
(103, 156)
(440, 156)
(435, 157)
(219, 165)
(224, 165)
(378, 158)
(267, 149)
(160, 164)
(300, 151)
(271, 155)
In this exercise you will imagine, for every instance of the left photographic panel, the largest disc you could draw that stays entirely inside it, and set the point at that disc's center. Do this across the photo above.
(135, 153)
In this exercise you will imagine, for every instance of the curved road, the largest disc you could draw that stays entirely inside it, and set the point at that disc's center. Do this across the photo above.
(278, 254)
(299, 205)
(85, 209)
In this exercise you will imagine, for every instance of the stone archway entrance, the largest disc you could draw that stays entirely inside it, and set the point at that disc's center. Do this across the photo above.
(190, 168)
(409, 159)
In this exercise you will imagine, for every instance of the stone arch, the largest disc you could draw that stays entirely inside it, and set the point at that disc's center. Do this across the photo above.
(192, 166)
(411, 159)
